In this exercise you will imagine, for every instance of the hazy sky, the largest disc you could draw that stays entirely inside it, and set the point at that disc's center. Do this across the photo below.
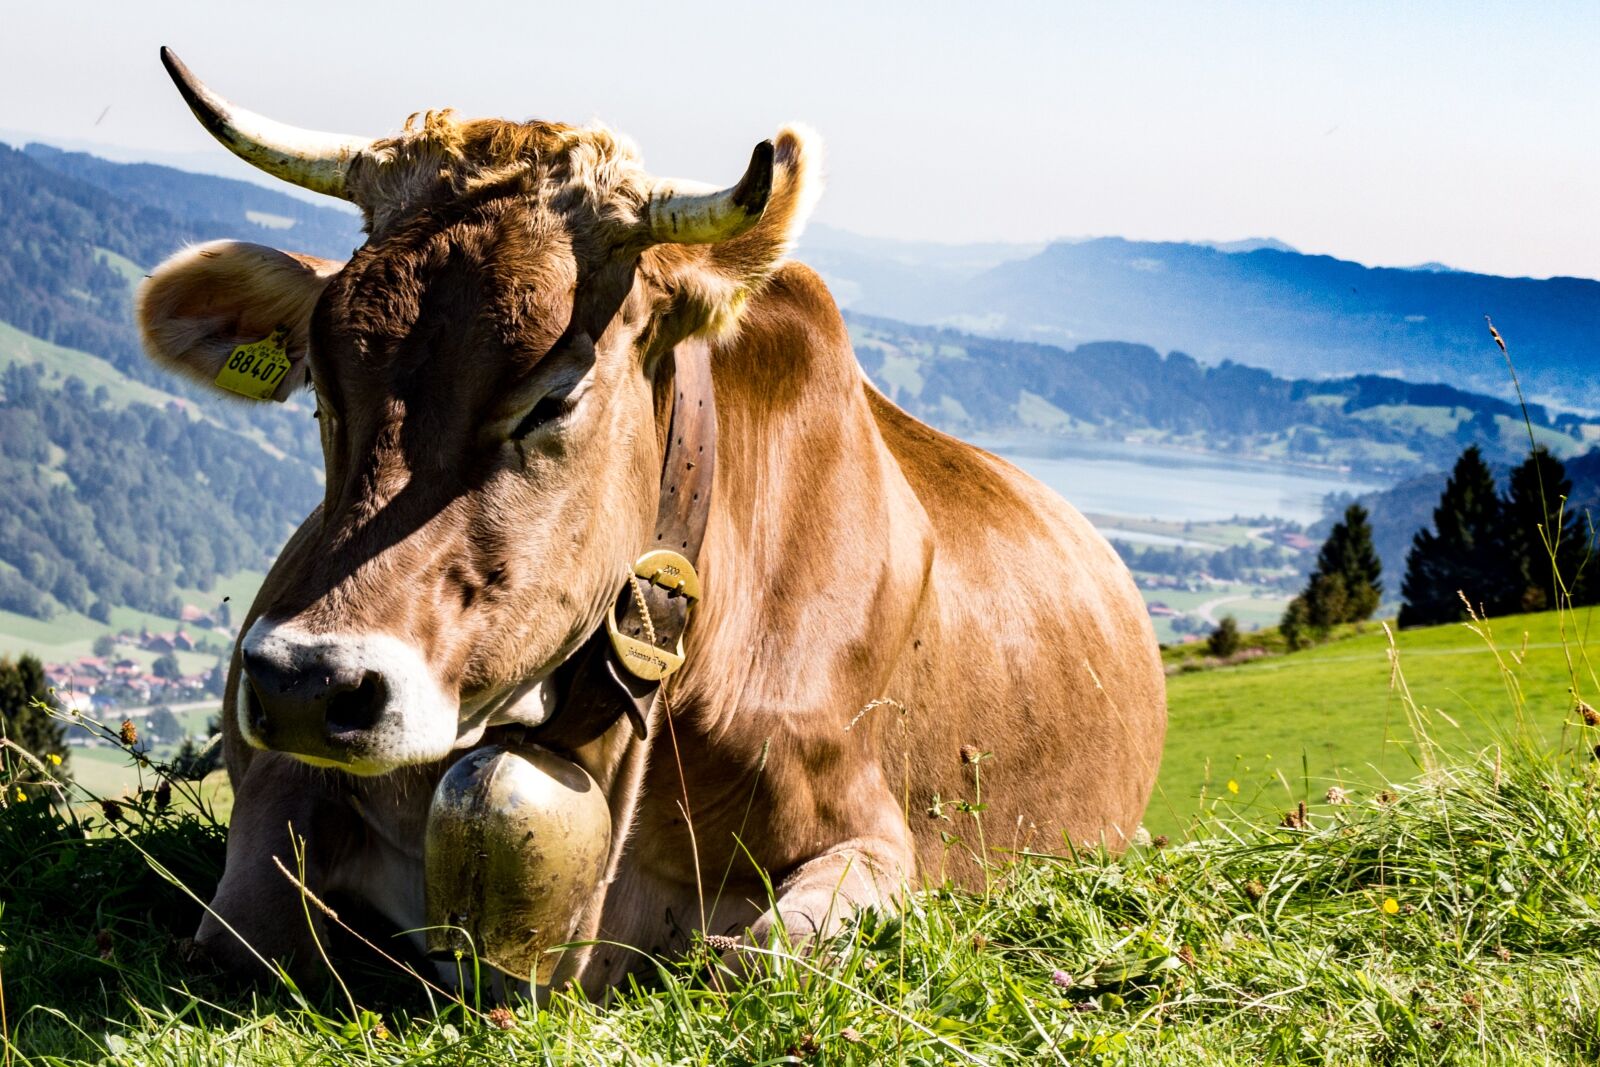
(1388, 133)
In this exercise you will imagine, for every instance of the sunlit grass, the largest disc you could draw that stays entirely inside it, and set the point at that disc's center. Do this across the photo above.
(1451, 918)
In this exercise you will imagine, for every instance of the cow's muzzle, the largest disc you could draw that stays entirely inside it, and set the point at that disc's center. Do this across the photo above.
(365, 702)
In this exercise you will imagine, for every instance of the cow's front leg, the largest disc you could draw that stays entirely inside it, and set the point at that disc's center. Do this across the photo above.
(820, 895)
(285, 810)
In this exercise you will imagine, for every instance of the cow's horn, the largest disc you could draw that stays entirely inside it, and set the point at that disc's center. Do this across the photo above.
(312, 160)
(683, 212)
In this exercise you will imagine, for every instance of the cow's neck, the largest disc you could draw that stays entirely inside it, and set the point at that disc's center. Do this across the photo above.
(618, 672)
(817, 549)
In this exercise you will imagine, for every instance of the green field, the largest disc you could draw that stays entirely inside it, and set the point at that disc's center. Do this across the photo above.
(71, 635)
(1286, 728)
(62, 363)
(1445, 917)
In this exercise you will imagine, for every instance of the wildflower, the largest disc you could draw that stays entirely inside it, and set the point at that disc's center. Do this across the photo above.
(379, 1031)
(21, 796)
(163, 795)
(1336, 796)
(850, 1034)
(501, 1018)
(1391, 906)
(806, 1046)
(972, 754)
(1591, 717)
(1386, 797)
(1254, 889)
(1161, 841)
(1186, 954)
(129, 734)
(55, 760)
(1061, 979)
(1233, 786)
(1142, 838)
(979, 942)
(1503, 954)
(111, 810)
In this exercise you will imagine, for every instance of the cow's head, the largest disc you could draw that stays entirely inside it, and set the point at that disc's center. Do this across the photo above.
(486, 376)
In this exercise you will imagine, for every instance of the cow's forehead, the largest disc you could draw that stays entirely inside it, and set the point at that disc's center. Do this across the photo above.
(439, 158)
(486, 290)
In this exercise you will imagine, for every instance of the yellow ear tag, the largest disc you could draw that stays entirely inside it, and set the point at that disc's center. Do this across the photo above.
(254, 370)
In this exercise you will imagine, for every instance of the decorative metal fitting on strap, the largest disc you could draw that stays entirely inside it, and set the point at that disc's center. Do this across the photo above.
(672, 572)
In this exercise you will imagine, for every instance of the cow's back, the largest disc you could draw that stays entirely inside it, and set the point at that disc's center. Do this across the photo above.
(1034, 647)
(859, 560)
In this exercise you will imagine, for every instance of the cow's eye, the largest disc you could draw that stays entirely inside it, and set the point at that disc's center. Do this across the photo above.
(546, 411)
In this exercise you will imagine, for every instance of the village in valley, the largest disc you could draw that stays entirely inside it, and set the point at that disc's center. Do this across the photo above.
(168, 682)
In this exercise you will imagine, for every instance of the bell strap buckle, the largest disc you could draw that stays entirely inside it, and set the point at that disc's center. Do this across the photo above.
(672, 572)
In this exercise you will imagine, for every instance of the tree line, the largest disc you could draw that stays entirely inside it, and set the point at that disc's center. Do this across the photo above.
(110, 506)
(1487, 552)
(1523, 550)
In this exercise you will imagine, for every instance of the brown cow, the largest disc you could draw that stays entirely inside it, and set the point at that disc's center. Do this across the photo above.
(882, 602)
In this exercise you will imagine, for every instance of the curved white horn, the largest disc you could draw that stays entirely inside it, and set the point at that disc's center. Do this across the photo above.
(683, 212)
(309, 159)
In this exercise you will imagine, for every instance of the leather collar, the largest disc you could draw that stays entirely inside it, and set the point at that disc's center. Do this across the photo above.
(595, 687)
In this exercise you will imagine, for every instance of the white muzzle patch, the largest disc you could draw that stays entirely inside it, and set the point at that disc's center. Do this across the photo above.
(415, 722)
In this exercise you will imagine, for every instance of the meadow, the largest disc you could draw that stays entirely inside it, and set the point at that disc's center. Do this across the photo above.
(1285, 729)
(1443, 908)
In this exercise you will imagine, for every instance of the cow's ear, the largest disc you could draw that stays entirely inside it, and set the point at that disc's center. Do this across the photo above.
(206, 301)
(718, 278)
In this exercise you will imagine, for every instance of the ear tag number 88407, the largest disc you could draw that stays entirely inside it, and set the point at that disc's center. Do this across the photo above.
(254, 370)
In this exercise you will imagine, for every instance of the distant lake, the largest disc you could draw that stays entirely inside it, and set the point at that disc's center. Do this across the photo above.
(1154, 482)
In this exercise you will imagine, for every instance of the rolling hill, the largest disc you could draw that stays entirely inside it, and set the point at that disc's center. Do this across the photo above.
(101, 520)
(1110, 389)
(1264, 305)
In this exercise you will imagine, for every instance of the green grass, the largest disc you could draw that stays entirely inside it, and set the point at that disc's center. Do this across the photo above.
(1438, 421)
(131, 272)
(61, 363)
(1288, 727)
(1450, 916)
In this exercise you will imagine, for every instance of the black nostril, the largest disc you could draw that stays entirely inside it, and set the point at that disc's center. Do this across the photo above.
(356, 709)
(258, 713)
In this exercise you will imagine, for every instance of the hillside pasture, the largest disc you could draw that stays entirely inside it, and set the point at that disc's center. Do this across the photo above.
(1441, 917)
(1287, 728)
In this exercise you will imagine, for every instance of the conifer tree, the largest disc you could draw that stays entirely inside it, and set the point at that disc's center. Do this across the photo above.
(1349, 555)
(1464, 554)
(21, 684)
(1345, 585)
(1544, 539)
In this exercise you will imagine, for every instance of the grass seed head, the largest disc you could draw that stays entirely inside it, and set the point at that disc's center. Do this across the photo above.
(805, 1047)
